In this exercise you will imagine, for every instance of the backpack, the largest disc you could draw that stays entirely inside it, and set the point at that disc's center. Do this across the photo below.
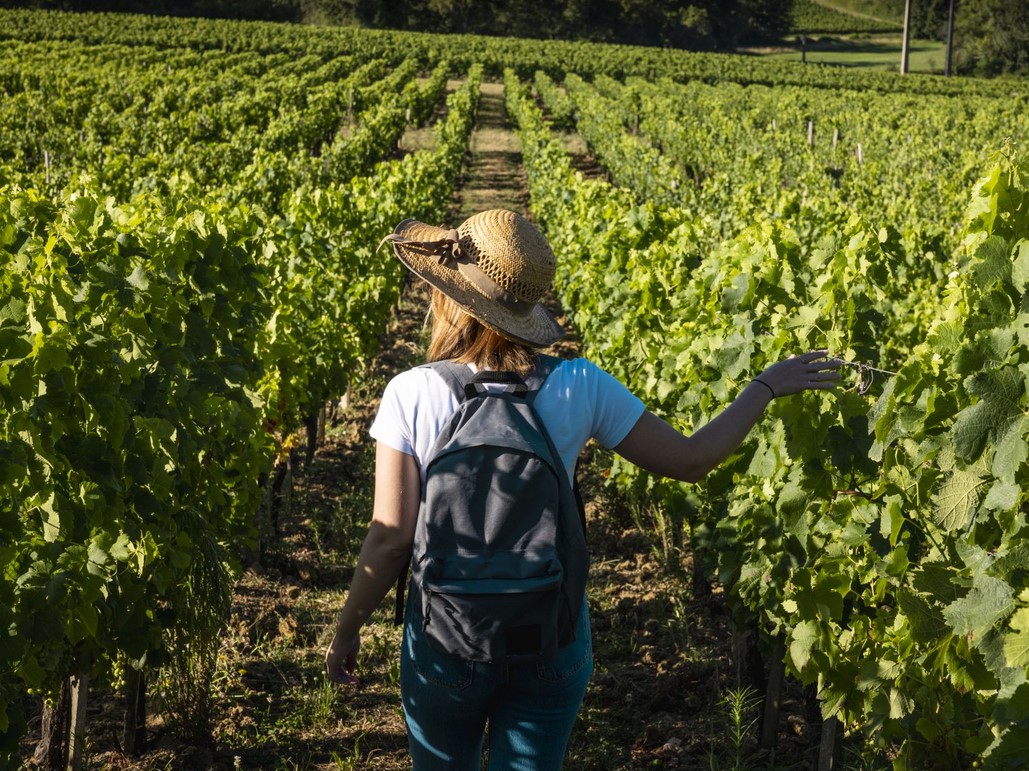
(499, 560)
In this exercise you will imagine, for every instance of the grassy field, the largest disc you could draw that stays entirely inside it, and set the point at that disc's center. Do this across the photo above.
(868, 51)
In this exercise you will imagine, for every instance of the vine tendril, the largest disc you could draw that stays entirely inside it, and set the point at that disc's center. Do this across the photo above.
(866, 375)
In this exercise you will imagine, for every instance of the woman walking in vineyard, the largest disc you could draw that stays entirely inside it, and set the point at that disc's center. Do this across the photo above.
(488, 277)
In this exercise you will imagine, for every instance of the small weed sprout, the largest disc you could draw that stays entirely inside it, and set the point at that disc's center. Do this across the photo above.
(350, 761)
(324, 702)
(741, 710)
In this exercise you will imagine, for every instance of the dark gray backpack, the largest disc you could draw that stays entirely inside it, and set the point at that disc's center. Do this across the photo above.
(499, 561)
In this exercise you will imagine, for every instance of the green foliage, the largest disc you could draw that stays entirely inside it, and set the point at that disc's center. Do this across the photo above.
(811, 17)
(127, 387)
(169, 317)
(303, 46)
(880, 534)
(187, 224)
(690, 23)
(992, 37)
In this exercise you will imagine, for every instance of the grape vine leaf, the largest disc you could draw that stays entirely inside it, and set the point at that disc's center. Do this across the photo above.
(1016, 642)
(1020, 265)
(1000, 395)
(1011, 746)
(1020, 325)
(804, 636)
(1002, 497)
(989, 601)
(1012, 565)
(1017, 706)
(993, 263)
(13, 310)
(1012, 451)
(958, 494)
(927, 624)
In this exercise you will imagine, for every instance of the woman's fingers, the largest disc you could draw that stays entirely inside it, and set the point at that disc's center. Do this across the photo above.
(819, 371)
(341, 661)
(804, 371)
(821, 353)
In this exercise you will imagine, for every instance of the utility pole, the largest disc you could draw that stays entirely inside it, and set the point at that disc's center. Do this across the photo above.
(907, 38)
(950, 37)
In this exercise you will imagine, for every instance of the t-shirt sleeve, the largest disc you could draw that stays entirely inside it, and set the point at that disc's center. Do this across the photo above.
(616, 408)
(391, 425)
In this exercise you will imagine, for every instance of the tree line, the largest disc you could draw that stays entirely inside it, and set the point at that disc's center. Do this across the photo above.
(693, 24)
(991, 36)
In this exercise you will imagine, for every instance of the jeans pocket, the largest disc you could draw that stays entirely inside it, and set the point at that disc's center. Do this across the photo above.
(570, 660)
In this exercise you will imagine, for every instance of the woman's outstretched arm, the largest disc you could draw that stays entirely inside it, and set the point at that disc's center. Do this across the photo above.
(654, 445)
(386, 550)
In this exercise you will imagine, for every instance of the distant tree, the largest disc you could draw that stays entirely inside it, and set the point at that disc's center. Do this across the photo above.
(929, 19)
(693, 24)
(768, 19)
(992, 37)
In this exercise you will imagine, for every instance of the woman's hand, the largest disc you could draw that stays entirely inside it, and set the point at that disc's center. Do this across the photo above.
(341, 659)
(801, 373)
(384, 553)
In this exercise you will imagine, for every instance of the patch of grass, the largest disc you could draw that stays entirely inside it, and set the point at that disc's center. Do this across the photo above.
(880, 52)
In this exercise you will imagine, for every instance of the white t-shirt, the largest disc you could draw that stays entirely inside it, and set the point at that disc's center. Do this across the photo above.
(578, 402)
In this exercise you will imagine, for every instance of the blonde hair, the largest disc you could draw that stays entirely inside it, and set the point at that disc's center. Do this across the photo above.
(459, 336)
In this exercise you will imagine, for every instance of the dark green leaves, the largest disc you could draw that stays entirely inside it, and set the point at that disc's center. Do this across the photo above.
(1001, 405)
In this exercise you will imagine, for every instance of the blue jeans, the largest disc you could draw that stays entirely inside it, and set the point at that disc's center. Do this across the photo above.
(529, 707)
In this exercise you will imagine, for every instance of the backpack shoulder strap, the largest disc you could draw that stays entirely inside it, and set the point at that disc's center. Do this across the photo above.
(456, 376)
(544, 366)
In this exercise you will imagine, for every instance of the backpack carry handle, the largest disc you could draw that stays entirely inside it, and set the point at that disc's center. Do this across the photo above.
(471, 389)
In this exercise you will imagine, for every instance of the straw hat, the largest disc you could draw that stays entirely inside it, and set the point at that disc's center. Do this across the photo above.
(496, 265)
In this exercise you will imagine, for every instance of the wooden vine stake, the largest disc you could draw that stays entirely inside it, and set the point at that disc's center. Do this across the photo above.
(827, 744)
(49, 754)
(134, 732)
(77, 724)
(811, 133)
(827, 740)
(311, 426)
(773, 695)
(323, 420)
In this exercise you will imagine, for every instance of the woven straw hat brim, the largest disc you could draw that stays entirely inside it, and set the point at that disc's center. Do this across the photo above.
(538, 328)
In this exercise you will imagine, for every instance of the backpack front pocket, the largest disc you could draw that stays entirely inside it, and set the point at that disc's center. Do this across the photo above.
(489, 619)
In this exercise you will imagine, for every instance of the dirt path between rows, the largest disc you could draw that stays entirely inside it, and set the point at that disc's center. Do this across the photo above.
(493, 177)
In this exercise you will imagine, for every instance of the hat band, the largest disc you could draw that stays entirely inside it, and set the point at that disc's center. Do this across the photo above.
(448, 251)
(491, 289)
